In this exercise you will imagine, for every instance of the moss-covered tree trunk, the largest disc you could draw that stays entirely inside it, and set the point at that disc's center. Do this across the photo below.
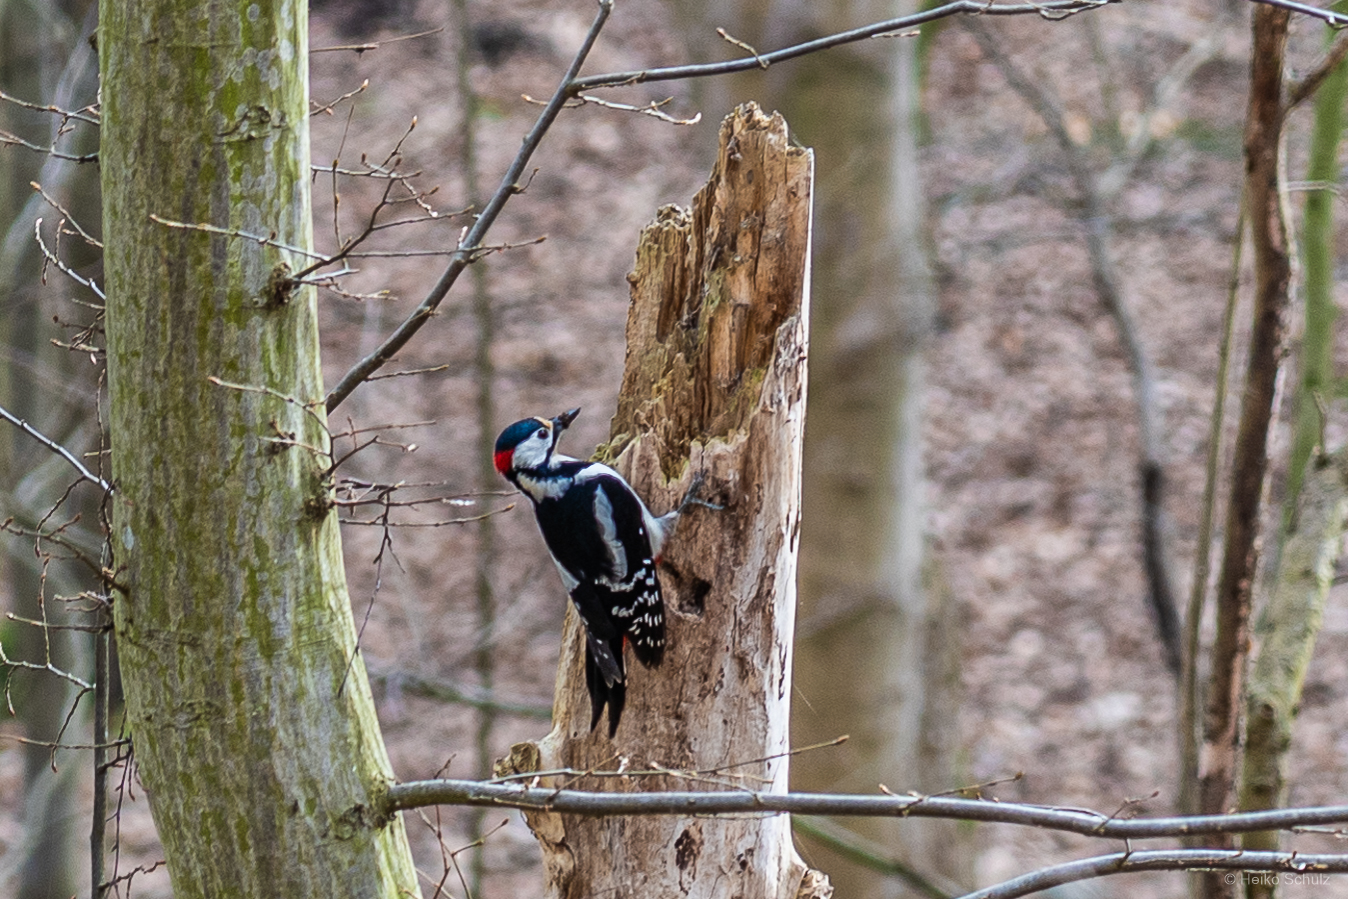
(254, 729)
(1286, 634)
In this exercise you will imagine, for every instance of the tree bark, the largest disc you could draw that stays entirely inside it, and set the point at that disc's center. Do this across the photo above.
(1317, 246)
(1272, 264)
(1288, 628)
(254, 728)
(876, 646)
(714, 385)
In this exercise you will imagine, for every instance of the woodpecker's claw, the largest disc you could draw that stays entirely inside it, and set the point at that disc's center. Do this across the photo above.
(692, 499)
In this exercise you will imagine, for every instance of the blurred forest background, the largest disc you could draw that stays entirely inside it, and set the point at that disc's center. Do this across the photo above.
(974, 598)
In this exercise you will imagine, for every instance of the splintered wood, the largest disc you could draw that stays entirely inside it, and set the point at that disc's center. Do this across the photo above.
(714, 386)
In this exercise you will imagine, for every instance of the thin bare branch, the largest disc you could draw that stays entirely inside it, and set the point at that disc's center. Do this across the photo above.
(1190, 696)
(410, 372)
(1333, 19)
(730, 39)
(89, 114)
(326, 108)
(1300, 91)
(651, 109)
(268, 240)
(55, 260)
(310, 407)
(65, 214)
(351, 173)
(57, 537)
(57, 448)
(1312, 868)
(1084, 822)
(381, 522)
(469, 245)
(389, 169)
(375, 45)
(484, 250)
(6, 138)
(46, 666)
(1050, 9)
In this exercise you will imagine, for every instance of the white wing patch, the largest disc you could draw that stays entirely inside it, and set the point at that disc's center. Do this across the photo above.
(608, 532)
(595, 470)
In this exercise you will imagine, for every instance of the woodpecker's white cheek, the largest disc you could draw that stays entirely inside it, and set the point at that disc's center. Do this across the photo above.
(532, 452)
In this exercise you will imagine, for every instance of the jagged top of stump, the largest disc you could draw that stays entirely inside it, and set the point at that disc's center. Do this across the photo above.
(711, 288)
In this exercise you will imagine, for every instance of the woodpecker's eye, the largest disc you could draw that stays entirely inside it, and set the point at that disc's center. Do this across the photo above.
(542, 432)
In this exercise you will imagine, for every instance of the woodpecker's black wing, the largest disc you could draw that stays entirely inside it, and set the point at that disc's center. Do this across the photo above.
(598, 537)
(633, 596)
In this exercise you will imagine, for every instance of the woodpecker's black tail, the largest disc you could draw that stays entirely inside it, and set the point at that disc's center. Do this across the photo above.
(602, 692)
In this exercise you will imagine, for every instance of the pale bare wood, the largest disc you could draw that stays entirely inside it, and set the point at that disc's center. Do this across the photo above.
(877, 635)
(714, 384)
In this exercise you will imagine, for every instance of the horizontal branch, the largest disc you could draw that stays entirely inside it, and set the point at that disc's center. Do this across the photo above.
(1050, 9)
(1302, 865)
(8, 139)
(416, 794)
(1332, 18)
(88, 115)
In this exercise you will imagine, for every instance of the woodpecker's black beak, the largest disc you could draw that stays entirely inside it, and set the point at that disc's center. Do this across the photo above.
(563, 421)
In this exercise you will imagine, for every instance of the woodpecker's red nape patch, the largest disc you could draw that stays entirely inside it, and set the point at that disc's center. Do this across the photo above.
(502, 460)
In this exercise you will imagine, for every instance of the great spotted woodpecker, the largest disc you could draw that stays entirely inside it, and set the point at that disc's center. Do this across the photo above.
(606, 545)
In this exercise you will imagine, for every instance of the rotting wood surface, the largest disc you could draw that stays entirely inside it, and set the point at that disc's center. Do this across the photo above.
(714, 385)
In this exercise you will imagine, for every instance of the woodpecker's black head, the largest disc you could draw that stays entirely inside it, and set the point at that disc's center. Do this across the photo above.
(527, 445)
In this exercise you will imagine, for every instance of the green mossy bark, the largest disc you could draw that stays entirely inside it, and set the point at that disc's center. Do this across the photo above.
(254, 732)
(1286, 633)
(1317, 253)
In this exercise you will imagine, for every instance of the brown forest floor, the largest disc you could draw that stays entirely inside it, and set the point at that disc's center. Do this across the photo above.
(1031, 441)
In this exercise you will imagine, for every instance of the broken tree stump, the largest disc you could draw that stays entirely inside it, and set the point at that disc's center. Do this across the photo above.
(714, 386)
